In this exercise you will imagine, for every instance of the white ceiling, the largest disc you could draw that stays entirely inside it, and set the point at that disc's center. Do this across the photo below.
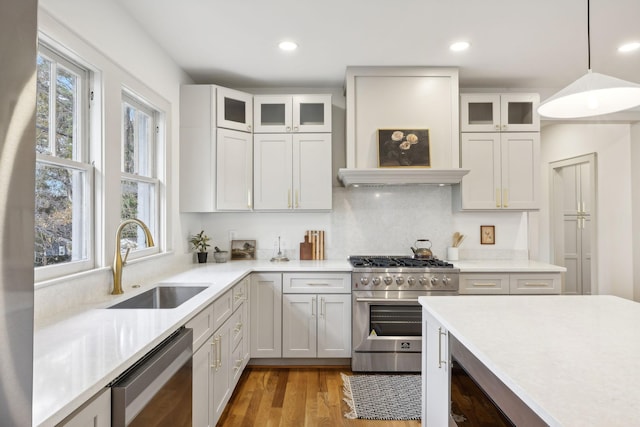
(515, 43)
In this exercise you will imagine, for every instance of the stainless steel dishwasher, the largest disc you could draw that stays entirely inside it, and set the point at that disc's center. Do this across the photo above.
(157, 390)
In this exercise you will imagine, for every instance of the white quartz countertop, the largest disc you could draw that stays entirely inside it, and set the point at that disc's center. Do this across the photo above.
(506, 266)
(572, 359)
(76, 357)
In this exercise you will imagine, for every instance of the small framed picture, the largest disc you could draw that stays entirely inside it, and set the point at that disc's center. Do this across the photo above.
(487, 235)
(403, 148)
(243, 249)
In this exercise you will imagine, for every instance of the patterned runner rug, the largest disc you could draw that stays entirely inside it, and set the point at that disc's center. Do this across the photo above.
(383, 397)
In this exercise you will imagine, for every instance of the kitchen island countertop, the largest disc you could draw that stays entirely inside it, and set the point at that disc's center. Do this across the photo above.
(572, 359)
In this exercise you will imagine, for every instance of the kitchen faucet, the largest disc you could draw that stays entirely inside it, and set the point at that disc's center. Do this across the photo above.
(118, 261)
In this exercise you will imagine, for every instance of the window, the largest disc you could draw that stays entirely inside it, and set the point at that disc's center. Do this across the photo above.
(139, 181)
(64, 174)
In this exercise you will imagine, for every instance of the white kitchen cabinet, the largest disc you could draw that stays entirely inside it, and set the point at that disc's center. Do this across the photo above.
(216, 163)
(292, 172)
(234, 178)
(96, 412)
(493, 112)
(316, 325)
(197, 148)
(266, 315)
(494, 283)
(504, 171)
(235, 109)
(292, 113)
(219, 358)
(316, 315)
(436, 369)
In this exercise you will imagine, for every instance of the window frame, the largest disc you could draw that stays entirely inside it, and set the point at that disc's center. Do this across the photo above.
(156, 169)
(81, 160)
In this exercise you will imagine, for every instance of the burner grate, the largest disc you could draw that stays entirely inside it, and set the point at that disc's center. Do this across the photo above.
(396, 262)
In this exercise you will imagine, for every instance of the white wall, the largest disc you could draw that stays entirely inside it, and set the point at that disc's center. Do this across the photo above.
(612, 144)
(635, 195)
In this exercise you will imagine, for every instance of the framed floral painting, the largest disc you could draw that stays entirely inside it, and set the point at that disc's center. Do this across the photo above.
(403, 148)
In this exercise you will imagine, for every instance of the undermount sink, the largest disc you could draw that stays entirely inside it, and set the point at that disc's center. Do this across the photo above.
(161, 297)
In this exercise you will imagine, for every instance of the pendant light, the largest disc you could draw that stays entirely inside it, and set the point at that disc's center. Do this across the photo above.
(592, 94)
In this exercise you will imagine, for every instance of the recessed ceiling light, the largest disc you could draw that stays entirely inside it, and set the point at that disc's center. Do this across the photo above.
(629, 47)
(459, 46)
(287, 45)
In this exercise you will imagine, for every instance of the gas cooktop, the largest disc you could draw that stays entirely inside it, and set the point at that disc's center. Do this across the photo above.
(377, 261)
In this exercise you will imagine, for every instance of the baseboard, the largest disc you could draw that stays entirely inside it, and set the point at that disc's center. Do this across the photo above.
(297, 362)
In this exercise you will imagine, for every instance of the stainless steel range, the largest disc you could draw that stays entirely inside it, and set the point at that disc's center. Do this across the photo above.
(387, 318)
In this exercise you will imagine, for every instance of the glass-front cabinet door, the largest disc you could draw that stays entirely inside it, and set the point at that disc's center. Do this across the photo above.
(513, 112)
(312, 113)
(272, 113)
(292, 113)
(235, 109)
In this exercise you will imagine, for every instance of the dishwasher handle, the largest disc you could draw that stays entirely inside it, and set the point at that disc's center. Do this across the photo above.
(138, 385)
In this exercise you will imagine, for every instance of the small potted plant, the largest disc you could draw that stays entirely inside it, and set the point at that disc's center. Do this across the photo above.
(200, 244)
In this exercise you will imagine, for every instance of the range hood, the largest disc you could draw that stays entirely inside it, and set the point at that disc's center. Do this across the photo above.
(399, 176)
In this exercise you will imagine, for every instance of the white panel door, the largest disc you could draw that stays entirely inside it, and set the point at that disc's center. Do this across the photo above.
(266, 315)
(235, 170)
(299, 314)
(203, 366)
(479, 112)
(312, 183)
(272, 113)
(481, 187)
(334, 325)
(222, 370)
(272, 172)
(520, 170)
(312, 113)
(436, 378)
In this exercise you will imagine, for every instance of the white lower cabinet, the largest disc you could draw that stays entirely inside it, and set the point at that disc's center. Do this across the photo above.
(316, 325)
(266, 315)
(509, 283)
(219, 360)
(96, 412)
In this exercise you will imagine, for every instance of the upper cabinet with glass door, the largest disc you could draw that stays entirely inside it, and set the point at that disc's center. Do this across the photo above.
(507, 112)
(292, 113)
(235, 109)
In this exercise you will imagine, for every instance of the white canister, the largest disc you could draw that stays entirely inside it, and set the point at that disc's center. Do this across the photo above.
(452, 254)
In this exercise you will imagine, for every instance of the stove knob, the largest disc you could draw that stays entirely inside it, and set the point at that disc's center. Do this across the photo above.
(411, 281)
(446, 280)
(434, 281)
(375, 281)
(388, 280)
(364, 280)
(399, 280)
(422, 281)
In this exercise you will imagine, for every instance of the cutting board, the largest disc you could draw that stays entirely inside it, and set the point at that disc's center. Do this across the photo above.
(306, 249)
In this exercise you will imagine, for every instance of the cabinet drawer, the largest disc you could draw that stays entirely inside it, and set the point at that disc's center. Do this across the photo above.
(526, 284)
(316, 283)
(237, 327)
(222, 309)
(484, 284)
(202, 325)
(240, 293)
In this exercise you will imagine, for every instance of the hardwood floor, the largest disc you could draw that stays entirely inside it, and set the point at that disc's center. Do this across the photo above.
(312, 397)
(293, 397)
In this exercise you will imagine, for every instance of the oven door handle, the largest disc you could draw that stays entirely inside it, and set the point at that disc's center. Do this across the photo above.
(414, 300)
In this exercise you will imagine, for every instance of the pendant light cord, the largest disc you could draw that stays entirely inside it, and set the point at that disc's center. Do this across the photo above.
(588, 37)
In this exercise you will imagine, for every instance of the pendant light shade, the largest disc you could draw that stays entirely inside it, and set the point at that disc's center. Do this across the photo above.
(592, 94)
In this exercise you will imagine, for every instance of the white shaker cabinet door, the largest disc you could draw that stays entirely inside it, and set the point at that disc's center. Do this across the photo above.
(312, 186)
(272, 172)
(334, 325)
(266, 315)
(299, 314)
(235, 170)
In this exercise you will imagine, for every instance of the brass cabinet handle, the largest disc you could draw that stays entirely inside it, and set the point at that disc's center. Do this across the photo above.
(289, 199)
(497, 197)
(249, 199)
(313, 306)
(505, 200)
(297, 204)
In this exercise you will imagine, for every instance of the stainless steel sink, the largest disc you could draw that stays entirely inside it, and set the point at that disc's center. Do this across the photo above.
(161, 297)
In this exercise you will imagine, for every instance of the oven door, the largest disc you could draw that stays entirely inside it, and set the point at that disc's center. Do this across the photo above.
(387, 321)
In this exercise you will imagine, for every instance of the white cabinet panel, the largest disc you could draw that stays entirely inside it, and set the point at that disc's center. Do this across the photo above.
(312, 186)
(235, 109)
(235, 170)
(273, 169)
(292, 113)
(299, 313)
(436, 369)
(313, 283)
(334, 325)
(266, 315)
(96, 412)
